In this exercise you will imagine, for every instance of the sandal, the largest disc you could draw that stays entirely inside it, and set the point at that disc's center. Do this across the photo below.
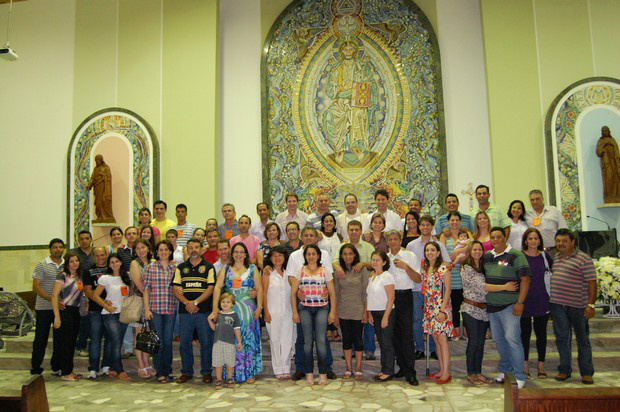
(359, 376)
(347, 375)
(151, 371)
(219, 384)
(70, 378)
(124, 377)
(144, 373)
(162, 379)
(309, 379)
(337, 338)
(322, 379)
(230, 383)
(483, 378)
(473, 379)
(542, 375)
(112, 374)
(248, 380)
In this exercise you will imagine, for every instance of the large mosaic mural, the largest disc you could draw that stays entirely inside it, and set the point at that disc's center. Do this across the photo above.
(352, 103)
(561, 132)
(145, 163)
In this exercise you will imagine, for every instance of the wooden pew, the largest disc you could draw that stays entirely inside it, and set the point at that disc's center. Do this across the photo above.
(32, 398)
(586, 399)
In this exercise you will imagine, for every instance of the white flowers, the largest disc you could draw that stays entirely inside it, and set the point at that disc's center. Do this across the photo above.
(608, 277)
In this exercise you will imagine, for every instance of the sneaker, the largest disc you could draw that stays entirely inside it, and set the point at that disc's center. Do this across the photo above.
(92, 375)
(520, 384)
(587, 380)
(56, 373)
(370, 356)
(499, 378)
(105, 371)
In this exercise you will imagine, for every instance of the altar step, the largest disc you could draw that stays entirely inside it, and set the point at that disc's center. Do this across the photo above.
(604, 338)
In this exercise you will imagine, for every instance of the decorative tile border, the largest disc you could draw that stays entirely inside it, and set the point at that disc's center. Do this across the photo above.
(145, 163)
(560, 140)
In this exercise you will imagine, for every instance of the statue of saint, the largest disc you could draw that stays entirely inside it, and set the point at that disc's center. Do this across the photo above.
(101, 181)
(607, 150)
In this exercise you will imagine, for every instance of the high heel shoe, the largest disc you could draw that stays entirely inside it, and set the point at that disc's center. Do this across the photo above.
(443, 381)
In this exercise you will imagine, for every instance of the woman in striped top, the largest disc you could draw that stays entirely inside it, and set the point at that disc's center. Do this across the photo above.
(313, 311)
(67, 292)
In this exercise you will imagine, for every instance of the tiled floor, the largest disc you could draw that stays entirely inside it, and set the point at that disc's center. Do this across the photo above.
(267, 394)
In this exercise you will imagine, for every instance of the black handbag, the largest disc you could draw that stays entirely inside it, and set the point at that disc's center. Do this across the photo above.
(147, 340)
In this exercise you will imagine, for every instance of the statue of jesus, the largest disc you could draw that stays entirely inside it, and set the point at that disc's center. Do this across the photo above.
(101, 181)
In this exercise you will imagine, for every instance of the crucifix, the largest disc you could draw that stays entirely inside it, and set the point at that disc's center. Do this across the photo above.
(469, 192)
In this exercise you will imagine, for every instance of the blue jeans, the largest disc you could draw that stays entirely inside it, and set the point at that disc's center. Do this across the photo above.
(164, 327)
(116, 331)
(314, 325)
(418, 315)
(565, 320)
(97, 333)
(300, 365)
(506, 331)
(369, 338)
(128, 341)
(187, 323)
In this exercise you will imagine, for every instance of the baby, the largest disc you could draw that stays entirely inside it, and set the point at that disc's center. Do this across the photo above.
(227, 327)
(463, 243)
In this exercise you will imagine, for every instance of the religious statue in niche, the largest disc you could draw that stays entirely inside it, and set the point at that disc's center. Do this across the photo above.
(101, 182)
(607, 150)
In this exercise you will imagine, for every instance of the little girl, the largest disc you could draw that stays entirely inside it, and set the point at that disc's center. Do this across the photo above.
(227, 327)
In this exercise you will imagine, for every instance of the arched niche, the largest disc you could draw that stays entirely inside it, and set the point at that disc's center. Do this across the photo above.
(130, 148)
(383, 129)
(572, 127)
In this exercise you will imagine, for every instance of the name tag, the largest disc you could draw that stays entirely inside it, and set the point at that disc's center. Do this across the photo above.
(228, 234)
(536, 221)
(236, 283)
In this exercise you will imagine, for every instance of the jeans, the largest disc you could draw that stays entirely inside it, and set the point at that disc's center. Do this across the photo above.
(385, 336)
(97, 332)
(369, 338)
(540, 329)
(82, 340)
(164, 327)
(314, 322)
(127, 343)
(116, 331)
(476, 335)
(65, 338)
(418, 315)
(565, 320)
(44, 319)
(506, 331)
(187, 324)
(300, 365)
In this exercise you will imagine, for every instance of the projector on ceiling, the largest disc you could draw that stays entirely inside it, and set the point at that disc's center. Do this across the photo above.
(8, 54)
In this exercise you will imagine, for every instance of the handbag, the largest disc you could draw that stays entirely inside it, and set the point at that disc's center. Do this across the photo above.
(132, 309)
(147, 340)
(547, 275)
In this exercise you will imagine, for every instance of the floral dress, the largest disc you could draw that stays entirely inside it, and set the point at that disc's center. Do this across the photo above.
(249, 361)
(432, 288)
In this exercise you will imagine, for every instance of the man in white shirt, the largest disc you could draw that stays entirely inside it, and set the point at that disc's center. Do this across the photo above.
(351, 213)
(291, 214)
(547, 219)
(258, 228)
(417, 246)
(223, 249)
(392, 219)
(295, 262)
(405, 267)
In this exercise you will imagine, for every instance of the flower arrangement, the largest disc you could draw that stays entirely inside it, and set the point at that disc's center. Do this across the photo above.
(608, 277)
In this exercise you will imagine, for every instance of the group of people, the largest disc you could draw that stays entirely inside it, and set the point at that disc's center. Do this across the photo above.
(366, 274)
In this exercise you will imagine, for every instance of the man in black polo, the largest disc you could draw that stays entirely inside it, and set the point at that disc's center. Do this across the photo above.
(85, 254)
(193, 285)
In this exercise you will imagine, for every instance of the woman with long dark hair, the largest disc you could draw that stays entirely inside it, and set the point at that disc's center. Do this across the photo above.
(116, 284)
(68, 290)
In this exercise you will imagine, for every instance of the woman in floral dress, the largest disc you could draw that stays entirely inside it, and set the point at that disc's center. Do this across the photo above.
(239, 278)
(437, 309)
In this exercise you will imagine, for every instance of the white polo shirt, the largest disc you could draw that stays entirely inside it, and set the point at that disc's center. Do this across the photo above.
(401, 278)
(392, 221)
(376, 297)
(342, 221)
(548, 222)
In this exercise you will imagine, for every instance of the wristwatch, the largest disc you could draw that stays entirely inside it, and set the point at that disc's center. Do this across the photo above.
(592, 305)
(519, 302)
